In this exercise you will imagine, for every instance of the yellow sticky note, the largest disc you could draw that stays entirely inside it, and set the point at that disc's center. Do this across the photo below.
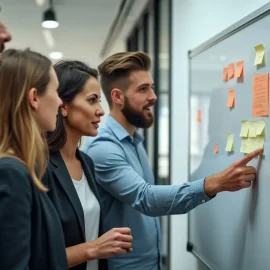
(229, 145)
(244, 145)
(251, 144)
(260, 127)
(255, 143)
(260, 52)
(244, 129)
(252, 129)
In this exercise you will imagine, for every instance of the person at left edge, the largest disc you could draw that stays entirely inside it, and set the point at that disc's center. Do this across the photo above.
(5, 36)
(30, 230)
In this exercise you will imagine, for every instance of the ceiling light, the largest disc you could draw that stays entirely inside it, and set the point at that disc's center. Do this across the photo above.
(56, 55)
(49, 19)
(40, 3)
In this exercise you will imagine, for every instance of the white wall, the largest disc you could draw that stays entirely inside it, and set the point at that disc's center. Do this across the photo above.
(194, 22)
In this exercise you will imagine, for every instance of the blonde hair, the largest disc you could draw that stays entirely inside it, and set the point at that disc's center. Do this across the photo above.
(114, 71)
(20, 136)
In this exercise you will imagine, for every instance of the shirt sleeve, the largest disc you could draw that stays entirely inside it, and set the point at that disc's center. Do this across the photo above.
(117, 176)
(15, 219)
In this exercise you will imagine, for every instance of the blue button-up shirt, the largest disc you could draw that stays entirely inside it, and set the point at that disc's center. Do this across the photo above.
(129, 197)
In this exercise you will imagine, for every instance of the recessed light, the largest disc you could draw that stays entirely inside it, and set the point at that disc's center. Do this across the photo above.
(56, 55)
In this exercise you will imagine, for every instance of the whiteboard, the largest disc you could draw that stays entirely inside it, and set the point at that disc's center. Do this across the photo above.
(232, 231)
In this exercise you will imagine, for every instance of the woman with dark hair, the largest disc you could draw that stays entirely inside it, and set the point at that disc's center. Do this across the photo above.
(70, 173)
(30, 230)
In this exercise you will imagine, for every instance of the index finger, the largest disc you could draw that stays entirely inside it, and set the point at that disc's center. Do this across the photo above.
(123, 230)
(243, 161)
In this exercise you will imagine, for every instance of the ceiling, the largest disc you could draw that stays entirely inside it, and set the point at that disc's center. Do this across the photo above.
(83, 26)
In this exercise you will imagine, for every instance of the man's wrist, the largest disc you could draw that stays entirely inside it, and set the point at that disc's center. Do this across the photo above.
(211, 185)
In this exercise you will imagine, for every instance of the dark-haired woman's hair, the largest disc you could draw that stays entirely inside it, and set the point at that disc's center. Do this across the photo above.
(72, 76)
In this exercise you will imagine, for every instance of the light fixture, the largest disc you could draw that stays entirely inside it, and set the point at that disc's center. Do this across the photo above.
(56, 55)
(49, 18)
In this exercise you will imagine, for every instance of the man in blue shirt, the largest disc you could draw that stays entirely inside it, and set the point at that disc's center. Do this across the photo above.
(129, 197)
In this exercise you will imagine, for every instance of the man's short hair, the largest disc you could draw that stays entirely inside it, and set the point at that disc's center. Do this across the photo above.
(114, 71)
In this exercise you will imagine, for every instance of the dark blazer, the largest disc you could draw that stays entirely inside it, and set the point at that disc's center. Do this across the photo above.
(30, 230)
(66, 201)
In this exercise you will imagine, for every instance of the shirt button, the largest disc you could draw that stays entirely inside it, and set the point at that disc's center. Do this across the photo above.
(203, 201)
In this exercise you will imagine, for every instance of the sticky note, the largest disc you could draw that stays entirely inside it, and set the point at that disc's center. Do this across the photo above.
(252, 129)
(225, 74)
(216, 149)
(255, 143)
(199, 116)
(260, 127)
(260, 95)
(239, 69)
(244, 145)
(229, 145)
(260, 52)
(244, 129)
(230, 101)
(230, 71)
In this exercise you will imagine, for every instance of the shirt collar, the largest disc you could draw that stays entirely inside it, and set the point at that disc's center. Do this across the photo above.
(120, 132)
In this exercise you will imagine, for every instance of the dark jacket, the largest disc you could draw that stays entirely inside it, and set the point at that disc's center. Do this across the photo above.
(30, 230)
(66, 201)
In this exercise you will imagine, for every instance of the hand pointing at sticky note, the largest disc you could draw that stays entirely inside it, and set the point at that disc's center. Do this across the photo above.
(237, 176)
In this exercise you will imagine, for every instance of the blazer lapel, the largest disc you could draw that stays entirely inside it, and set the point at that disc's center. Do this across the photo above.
(65, 180)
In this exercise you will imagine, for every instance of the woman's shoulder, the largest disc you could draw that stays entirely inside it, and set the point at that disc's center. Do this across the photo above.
(15, 174)
(13, 164)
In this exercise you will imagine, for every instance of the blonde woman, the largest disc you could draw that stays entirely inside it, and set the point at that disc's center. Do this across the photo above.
(30, 229)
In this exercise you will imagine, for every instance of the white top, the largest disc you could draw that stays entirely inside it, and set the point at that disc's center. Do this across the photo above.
(91, 210)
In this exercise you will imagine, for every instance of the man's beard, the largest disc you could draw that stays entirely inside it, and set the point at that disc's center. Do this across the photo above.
(136, 118)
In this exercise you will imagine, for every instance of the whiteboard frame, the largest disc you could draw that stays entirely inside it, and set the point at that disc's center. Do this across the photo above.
(243, 23)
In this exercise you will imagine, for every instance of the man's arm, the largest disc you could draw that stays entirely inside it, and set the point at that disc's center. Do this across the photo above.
(117, 176)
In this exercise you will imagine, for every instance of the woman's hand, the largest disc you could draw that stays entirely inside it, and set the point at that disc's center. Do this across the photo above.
(114, 242)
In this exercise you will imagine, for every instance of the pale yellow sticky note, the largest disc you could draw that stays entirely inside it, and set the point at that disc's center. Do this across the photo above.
(252, 129)
(251, 144)
(260, 51)
(244, 129)
(229, 145)
(255, 143)
(244, 145)
(260, 127)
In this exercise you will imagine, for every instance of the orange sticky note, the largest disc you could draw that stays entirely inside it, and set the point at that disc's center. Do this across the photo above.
(239, 69)
(260, 95)
(199, 116)
(230, 101)
(230, 71)
(216, 149)
(225, 74)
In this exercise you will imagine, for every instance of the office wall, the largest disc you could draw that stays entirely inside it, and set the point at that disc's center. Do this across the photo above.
(194, 22)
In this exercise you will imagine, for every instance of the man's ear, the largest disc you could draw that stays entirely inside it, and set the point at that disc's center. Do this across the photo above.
(117, 96)
(33, 98)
